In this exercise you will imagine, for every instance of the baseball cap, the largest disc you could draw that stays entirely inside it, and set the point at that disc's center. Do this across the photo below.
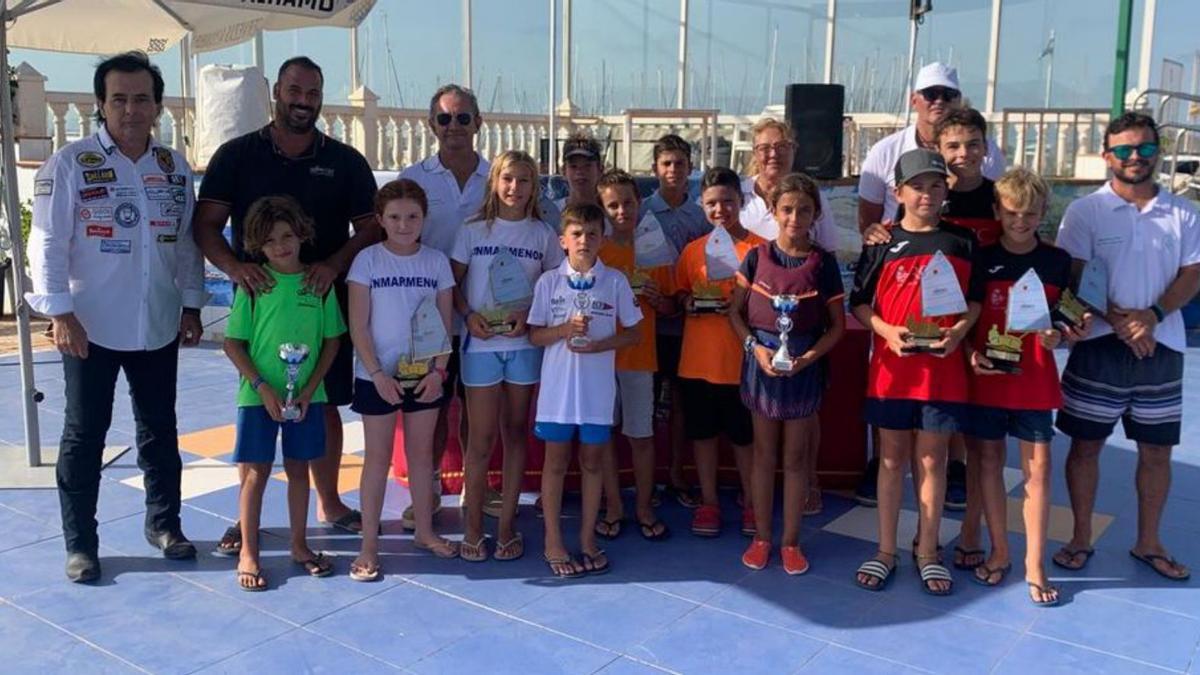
(937, 74)
(917, 162)
(586, 148)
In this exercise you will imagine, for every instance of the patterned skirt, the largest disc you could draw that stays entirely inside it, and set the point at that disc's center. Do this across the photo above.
(787, 397)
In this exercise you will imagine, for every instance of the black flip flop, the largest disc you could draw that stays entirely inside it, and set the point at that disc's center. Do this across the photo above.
(648, 529)
(1150, 558)
(964, 552)
(257, 576)
(568, 560)
(230, 544)
(1087, 554)
(591, 568)
(611, 530)
(1043, 591)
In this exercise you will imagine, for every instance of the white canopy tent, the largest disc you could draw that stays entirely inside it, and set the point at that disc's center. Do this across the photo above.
(108, 27)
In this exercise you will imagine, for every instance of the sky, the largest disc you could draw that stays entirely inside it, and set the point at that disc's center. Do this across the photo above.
(624, 51)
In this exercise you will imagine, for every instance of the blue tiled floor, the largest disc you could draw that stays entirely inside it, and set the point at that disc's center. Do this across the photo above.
(685, 605)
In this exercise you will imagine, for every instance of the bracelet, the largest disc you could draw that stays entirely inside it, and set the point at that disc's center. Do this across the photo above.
(1159, 313)
(258, 381)
(375, 372)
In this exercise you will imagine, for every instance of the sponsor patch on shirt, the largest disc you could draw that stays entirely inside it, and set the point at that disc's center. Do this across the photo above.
(89, 159)
(163, 223)
(124, 192)
(101, 214)
(93, 176)
(165, 194)
(43, 188)
(167, 238)
(116, 246)
(176, 179)
(322, 171)
(154, 179)
(93, 193)
(101, 231)
(127, 215)
(165, 160)
(171, 210)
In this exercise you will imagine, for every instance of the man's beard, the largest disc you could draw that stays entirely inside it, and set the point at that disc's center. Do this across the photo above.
(283, 115)
(1123, 174)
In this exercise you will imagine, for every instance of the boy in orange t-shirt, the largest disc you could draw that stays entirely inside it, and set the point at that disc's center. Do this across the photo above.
(636, 365)
(710, 365)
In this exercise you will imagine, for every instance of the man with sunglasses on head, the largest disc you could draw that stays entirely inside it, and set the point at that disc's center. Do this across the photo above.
(455, 182)
(1130, 366)
(936, 93)
(334, 184)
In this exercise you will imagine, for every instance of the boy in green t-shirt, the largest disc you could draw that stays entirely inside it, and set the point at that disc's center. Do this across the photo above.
(283, 341)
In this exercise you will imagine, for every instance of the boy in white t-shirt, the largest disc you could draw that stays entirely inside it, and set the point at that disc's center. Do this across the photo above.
(574, 316)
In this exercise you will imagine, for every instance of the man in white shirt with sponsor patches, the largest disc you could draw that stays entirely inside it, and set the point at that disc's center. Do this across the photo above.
(1130, 366)
(115, 268)
(935, 93)
(455, 181)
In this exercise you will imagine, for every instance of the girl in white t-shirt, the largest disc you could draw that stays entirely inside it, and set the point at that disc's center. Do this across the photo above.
(497, 258)
(387, 284)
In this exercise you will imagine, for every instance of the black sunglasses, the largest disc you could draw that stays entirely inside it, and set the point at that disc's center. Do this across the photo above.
(931, 94)
(463, 119)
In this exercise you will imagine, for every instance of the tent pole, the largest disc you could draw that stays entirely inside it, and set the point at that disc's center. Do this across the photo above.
(12, 209)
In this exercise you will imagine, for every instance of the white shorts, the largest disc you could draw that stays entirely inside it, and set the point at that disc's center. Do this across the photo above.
(635, 401)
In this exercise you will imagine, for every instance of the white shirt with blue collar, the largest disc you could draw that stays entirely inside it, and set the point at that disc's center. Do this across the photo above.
(112, 242)
(1142, 249)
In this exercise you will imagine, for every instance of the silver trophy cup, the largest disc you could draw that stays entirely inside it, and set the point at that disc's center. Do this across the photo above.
(292, 354)
(785, 305)
(581, 284)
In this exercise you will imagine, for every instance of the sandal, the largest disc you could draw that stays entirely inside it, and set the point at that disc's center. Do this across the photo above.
(988, 573)
(510, 550)
(878, 570)
(317, 566)
(651, 531)
(565, 567)
(231, 542)
(609, 529)
(683, 495)
(961, 554)
(1151, 558)
(1071, 555)
(257, 582)
(596, 563)
(366, 573)
(1044, 590)
(350, 522)
(934, 571)
(444, 549)
(476, 552)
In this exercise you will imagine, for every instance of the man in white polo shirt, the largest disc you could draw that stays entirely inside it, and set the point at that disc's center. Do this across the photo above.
(455, 182)
(935, 93)
(1130, 367)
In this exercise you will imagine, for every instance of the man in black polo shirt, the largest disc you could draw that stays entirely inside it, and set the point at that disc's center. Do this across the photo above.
(334, 184)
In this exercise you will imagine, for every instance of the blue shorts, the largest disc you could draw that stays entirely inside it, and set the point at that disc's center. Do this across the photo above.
(256, 434)
(993, 424)
(518, 366)
(900, 414)
(591, 434)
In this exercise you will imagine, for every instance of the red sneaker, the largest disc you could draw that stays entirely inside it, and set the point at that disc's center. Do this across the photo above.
(706, 521)
(794, 561)
(757, 554)
(749, 526)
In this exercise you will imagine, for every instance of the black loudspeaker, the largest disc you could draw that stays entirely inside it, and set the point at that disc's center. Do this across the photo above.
(814, 112)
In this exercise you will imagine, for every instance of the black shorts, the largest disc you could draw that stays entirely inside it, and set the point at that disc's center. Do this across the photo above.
(900, 414)
(367, 400)
(339, 381)
(668, 348)
(714, 409)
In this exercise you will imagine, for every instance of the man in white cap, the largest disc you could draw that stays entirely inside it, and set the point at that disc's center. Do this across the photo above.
(935, 93)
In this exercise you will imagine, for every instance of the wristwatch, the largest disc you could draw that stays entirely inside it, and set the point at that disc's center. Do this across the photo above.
(749, 344)
(1159, 314)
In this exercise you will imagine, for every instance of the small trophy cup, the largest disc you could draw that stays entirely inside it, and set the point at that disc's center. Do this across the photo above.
(708, 299)
(582, 284)
(922, 335)
(293, 354)
(1004, 351)
(785, 305)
